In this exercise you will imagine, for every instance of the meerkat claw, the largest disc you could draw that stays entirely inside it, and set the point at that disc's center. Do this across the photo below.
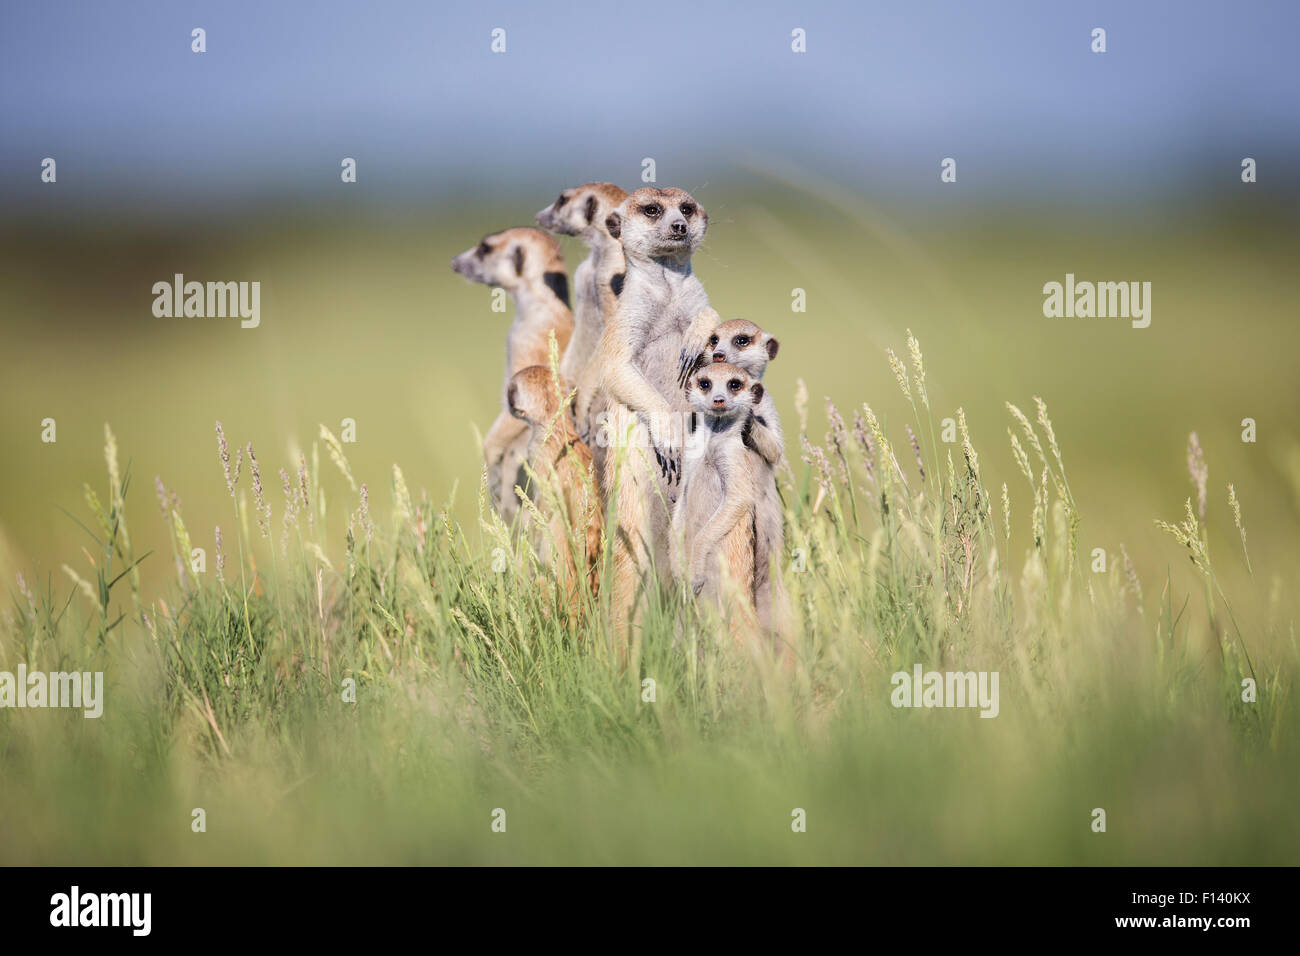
(685, 367)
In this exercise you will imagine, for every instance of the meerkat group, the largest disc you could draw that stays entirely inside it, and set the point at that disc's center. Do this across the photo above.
(655, 420)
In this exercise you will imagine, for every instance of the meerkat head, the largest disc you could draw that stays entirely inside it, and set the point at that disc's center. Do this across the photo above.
(742, 343)
(516, 258)
(723, 391)
(582, 211)
(655, 223)
(532, 395)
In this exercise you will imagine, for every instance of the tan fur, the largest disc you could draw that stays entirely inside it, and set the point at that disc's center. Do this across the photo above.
(714, 517)
(519, 260)
(571, 543)
(636, 368)
(742, 343)
(582, 211)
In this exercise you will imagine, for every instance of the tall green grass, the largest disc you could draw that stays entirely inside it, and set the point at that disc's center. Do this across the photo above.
(377, 703)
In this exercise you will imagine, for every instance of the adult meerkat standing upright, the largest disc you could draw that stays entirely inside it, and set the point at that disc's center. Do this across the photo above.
(527, 263)
(581, 212)
(661, 303)
(571, 541)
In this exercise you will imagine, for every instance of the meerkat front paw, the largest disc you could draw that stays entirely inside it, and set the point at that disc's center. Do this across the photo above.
(667, 446)
(694, 343)
(699, 566)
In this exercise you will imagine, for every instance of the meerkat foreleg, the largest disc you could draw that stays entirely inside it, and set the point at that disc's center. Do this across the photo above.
(588, 382)
(735, 505)
(764, 439)
(506, 439)
(629, 387)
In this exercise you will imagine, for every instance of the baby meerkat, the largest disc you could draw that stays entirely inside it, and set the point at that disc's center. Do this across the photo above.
(714, 518)
(571, 541)
(528, 264)
(659, 300)
(581, 212)
(742, 343)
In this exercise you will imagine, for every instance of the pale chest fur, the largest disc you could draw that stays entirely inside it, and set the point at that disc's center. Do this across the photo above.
(659, 307)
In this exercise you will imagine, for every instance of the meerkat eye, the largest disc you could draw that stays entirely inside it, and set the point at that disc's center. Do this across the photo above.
(704, 384)
(483, 249)
(735, 385)
(740, 341)
(713, 340)
(559, 203)
(653, 210)
(688, 209)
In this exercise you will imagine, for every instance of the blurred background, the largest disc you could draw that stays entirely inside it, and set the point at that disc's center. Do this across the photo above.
(819, 171)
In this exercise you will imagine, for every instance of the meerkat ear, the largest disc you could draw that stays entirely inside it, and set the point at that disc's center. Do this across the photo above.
(614, 225)
(758, 392)
(772, 346)
(590, 209)
(519, 260)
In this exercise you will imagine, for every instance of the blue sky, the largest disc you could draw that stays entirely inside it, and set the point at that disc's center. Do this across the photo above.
(585, 90)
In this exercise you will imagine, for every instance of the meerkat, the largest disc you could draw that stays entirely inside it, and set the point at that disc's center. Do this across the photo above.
(571, 542)
(581, 212)
(743, 344)
(528, 264)
(715, 515)
(661, 304)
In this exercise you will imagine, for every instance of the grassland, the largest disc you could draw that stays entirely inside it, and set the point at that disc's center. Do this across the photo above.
(1119, 689)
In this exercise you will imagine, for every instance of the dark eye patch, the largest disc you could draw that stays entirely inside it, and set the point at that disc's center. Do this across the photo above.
(704, 384)
(713, 340)
(483, 249)
(653, 210)
(740, 341)
(735, 385)
(559, 203)
(590, 210)
(688, 209)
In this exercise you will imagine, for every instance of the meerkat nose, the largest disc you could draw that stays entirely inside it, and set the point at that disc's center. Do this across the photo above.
(719, 356)
(679, 228)
(719, 402)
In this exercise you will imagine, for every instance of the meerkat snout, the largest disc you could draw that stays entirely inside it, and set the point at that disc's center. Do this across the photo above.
(514, 258)
(548, 216)
(659, 223)
(582, 210)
